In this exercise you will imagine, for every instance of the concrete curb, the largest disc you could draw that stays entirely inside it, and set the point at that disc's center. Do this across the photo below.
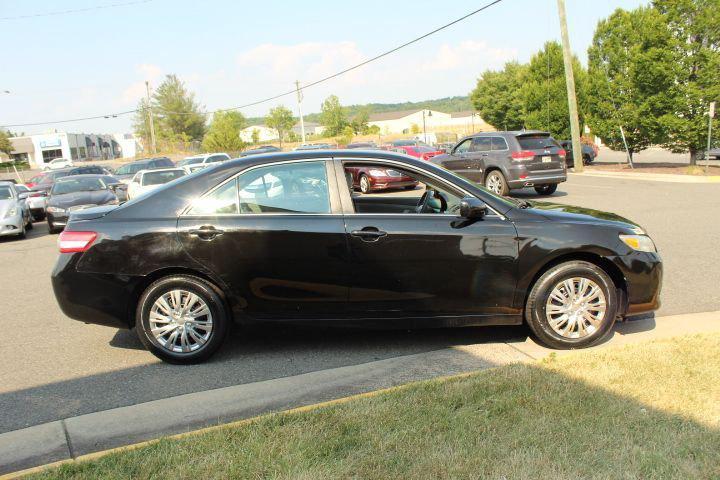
(652, 177)
(92, 435)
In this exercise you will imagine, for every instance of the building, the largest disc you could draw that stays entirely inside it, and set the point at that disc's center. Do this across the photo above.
(408, 121)
(312, 129)
(265, 133)
(40, 149)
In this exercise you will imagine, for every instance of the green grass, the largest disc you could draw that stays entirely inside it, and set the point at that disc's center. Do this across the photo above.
(644, 411)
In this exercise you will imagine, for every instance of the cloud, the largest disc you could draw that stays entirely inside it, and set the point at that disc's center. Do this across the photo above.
(132, 94)
(467, 54)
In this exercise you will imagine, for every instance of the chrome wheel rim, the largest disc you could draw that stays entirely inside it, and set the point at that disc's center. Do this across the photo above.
(364, 185)
(181, 322)
(576, 307)
(493, 184)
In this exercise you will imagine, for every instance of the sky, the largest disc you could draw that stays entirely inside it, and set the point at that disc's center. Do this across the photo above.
(231, 53)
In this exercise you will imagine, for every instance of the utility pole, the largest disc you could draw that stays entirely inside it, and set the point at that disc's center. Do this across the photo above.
(711, 114)
(570, 83)
(150, 114)
(299, 102)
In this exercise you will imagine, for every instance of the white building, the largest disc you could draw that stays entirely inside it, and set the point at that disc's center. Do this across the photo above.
(403, 122)
(265, 133)
(40, 149)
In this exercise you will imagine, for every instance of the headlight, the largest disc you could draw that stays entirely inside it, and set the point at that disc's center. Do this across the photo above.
(11, 212)
(55, 210)
(641, 243)
(377, 173)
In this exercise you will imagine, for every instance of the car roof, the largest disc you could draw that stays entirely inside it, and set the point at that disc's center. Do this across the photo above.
(164, 169)
(84, 175)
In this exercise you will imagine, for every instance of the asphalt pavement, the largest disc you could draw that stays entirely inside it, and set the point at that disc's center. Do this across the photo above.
(54, 368)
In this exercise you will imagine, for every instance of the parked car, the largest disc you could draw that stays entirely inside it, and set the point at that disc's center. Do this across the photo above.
(372, 179)
(35, 180)
(147, 180)
(183, 262)
(363, 145)
(261, 149)
(89, 169)
(588, 153)
(503, 161)
(73, 193)
(37, 199)
(314, 146)
(128, 171)
(419, 151)
(118, 187)
(405, 143)
(714, 153)
(57, 164)
(445, 146)
(15, 218)
(203, 159)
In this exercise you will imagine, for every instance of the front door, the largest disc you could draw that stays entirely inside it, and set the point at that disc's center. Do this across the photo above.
(274, 235)
(479, 155)
(458, 160)
(419, 259)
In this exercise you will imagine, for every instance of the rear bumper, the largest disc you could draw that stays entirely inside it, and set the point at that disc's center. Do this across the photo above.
(93, 298)
(534, 179)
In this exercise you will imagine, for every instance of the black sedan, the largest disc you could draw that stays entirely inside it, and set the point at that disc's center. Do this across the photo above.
(283, 238)
(74, 193)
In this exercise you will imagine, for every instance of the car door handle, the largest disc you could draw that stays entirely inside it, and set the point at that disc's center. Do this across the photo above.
(369, 235)
(206, 232)
(484, 155)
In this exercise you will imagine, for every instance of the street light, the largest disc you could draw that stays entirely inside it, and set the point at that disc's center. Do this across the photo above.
(429, 114)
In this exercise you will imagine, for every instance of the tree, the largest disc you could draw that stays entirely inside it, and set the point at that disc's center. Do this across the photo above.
(414, 128)
(177, 113)
(141, 122)
(693, 25)
(498, 97)
(346, 136)
(629, 75)
(545, 92)
(6, 146)
(224, 132)
(281, 119)
(255, 135)
(359, 122)
(332, 116)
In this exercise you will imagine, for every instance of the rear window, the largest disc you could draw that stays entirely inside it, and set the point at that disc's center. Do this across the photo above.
(537, 142)
(158, 178)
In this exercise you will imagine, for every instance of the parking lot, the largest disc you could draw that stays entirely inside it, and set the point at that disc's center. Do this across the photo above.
(54, 367)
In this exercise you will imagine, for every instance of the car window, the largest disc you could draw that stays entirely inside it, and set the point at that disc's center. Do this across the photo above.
(77, 184)
(464, 147)
(5, 192)
(400, 191)
(498, 143)
(21, 188)
(536, 142)
(480, 144)
(159, 178)
(285, 188)
(221, 201)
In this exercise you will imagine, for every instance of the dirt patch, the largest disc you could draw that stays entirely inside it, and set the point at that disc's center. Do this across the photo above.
(658, 167)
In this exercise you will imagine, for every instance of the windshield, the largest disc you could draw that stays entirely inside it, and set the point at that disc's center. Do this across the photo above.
(190, 161)
(5, 193)
(536, 142)
(158, 178)
(72, 185)
(130, 169)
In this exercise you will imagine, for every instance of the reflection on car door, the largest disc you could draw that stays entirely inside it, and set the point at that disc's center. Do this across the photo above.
(458, 161)
(275, 237)
(430, 266)
(479, 151)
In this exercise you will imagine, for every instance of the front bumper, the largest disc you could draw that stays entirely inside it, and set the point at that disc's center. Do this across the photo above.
(11, 225)
(386, 183)
(643, 274)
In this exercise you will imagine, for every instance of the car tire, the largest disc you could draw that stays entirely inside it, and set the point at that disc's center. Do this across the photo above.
(587, 159)
(39, 217)
(164, 347)
(23, 232)
(547, 189)
(496, 183)
(544, 310)
(52, 228)
(364, 183)
(29, 223)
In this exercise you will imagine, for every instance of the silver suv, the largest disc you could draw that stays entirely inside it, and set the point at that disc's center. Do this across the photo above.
(508, 160)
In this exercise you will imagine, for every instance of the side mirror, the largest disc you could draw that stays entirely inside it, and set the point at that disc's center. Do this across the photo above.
(472, 209)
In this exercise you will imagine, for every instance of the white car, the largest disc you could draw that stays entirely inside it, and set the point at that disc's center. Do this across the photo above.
(203, 159)
(145, 181)
(15, 216)
(58, 163)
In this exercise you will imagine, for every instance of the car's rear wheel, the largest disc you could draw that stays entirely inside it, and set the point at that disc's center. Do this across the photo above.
(181, 319)
(364, 184)
(548, 189)
(496, 183)
(572, 305)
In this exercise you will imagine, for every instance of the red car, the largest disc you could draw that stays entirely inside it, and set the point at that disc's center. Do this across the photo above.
(35, 180)
(370, 179)
(419, 151)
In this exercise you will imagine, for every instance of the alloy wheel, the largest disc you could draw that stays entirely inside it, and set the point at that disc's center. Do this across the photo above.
(364, 184)
(494, 184)
(576, 307)
(181, 321)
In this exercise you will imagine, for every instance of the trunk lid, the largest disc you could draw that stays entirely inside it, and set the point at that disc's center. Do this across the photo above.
(547, 154)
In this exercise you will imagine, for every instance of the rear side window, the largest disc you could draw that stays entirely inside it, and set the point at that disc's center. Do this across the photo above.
(481, 144)
(285, 188)
(221, 201)
(536, 142)
(499, 143)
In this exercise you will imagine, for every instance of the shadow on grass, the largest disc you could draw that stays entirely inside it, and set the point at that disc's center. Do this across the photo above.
(547, 420)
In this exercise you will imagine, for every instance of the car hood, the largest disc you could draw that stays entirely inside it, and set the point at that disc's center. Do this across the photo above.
(6, 205)
(569, 213)
(67, 200)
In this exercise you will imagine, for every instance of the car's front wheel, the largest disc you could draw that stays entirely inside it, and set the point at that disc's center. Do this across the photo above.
(364, 184)
(572, 305)
(181, 319)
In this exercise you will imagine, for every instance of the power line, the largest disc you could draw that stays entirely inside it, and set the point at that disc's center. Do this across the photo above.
(78, 10)
(289, 92)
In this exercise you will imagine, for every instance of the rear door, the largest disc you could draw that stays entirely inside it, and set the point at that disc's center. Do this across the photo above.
(546, 150)
(276, 237)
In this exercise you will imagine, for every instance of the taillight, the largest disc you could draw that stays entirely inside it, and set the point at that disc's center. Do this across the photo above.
(561, 152)
(38, 194)
(522, 155)
(70, 242)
